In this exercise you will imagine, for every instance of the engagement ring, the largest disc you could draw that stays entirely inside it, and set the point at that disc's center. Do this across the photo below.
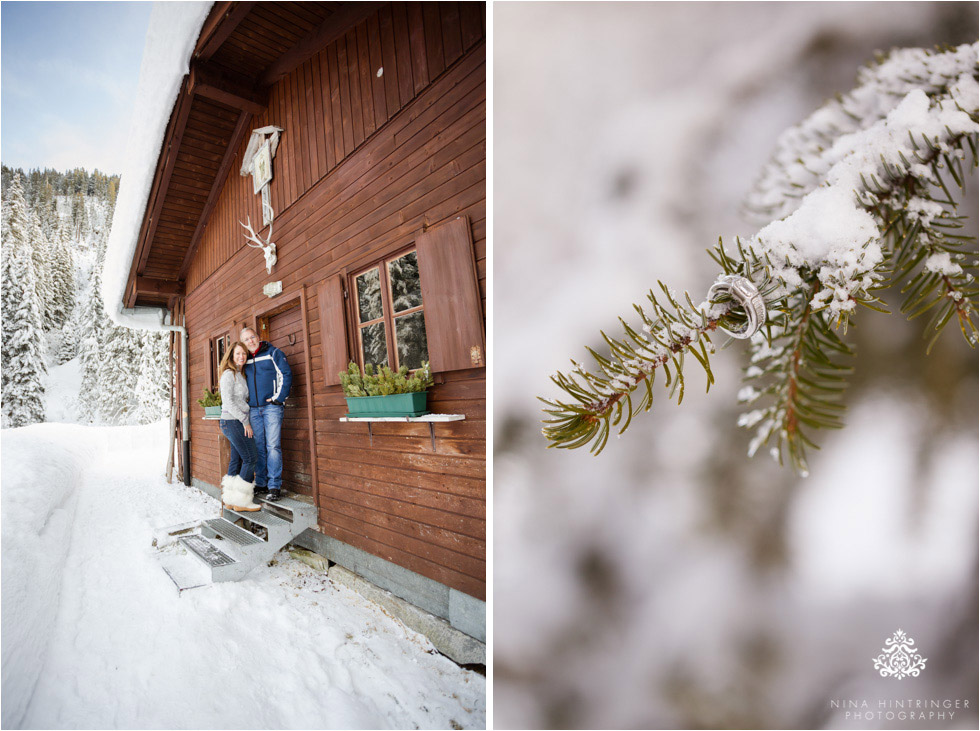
(746, 295)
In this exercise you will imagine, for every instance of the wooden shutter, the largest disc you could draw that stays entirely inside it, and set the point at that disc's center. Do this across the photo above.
(451, 297)
(333, 329)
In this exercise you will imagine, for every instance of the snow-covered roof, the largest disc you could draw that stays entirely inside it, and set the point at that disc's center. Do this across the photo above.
(173, 31)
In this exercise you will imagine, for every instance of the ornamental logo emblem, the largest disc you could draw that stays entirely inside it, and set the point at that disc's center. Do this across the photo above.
(899, 658)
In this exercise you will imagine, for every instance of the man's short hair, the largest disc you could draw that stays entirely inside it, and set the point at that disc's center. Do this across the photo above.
(244, 330)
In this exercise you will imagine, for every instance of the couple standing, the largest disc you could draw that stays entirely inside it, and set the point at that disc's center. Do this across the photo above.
(254, 379)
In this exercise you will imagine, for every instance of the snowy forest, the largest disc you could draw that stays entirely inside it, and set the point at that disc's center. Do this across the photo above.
(63, 359)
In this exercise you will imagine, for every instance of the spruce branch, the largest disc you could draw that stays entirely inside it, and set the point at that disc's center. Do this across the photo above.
(604, 399)
(862, 201)
(670, 331)
(805, 368)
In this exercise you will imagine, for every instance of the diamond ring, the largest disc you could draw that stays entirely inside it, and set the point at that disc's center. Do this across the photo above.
(746, 295)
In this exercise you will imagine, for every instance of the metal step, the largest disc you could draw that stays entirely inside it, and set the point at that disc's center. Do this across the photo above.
(263, 518)
(286, 503)
(205, 560)
(185, 571)
(289, 509)
(163, 537)
(228, 530)
(206, 551)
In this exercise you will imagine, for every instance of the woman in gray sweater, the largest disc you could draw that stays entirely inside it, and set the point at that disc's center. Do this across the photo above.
(237, 487)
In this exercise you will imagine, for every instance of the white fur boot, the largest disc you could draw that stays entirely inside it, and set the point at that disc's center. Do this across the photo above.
(229, 491)
(246, 490)
(236, 494)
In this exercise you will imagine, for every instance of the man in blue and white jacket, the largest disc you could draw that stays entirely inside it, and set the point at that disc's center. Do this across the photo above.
(268, 377)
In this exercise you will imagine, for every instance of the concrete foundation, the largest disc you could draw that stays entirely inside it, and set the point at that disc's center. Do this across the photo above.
(456, 645)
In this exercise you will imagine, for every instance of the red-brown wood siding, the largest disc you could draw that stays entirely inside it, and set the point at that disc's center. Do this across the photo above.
(343, 76)
(419, 164)
(285, 330)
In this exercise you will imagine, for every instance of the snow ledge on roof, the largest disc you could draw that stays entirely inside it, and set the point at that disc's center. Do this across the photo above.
(170, 39)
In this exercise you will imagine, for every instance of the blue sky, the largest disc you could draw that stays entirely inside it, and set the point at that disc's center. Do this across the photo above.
(69, 74)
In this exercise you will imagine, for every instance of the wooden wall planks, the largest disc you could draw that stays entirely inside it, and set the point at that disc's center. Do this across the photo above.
(351, 101)
(365, 162)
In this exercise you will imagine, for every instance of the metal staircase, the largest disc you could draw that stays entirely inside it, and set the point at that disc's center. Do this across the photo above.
(228, 547)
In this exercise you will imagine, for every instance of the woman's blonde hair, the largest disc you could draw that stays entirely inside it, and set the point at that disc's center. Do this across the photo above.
(228, 361)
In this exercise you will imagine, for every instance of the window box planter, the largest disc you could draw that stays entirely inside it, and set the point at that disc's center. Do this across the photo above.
(211, 403)
(396, 404)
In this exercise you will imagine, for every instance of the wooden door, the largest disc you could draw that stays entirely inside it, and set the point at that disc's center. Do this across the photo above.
(285, 330)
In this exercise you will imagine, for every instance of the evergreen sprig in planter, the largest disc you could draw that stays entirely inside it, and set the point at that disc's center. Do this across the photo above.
(386, 393)
(211, 403)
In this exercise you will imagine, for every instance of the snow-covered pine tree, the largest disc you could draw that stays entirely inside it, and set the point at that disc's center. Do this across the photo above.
(93, 341)
(22, 338)
(79, 215)
(153, 381)
(15, 224)
(144, 390)
(857, 198)
(68, 346)
(91, 334)
(118, 373)
(24, 369)
(119, 352)
(41, 254)
(62, 278)
(163, 366)
(67, 233)
(46, 208)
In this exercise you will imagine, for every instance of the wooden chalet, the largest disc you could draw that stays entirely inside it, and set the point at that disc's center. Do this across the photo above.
(381, 162)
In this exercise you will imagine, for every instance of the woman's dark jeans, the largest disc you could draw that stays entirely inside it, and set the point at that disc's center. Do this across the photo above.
(243, 452)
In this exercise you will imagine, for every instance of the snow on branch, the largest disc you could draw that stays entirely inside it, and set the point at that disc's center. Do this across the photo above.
(856, 198)
(805, 153)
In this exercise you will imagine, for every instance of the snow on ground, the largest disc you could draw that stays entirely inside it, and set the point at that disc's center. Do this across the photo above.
(61, 390)
(94, 634)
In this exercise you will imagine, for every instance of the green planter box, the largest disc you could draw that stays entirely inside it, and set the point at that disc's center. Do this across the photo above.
(212, 411)
(397, 404)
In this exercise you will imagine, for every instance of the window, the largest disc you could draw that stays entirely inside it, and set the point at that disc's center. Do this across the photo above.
(219, 345)
(390, 317)
(420, 304)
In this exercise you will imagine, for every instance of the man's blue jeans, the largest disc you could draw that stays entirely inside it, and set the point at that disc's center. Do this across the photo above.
(243, 452)
(267, 427)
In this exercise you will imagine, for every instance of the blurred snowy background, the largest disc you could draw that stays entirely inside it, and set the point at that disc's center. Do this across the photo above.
(672, 581)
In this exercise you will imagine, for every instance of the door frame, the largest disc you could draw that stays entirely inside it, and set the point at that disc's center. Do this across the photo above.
(274, 306)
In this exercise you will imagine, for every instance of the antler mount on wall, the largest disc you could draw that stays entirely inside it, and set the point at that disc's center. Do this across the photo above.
(257, 162)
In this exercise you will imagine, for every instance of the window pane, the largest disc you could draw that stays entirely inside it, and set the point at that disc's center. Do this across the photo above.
(369, 295)
(373, 344)
(405, 287)
(410, 336)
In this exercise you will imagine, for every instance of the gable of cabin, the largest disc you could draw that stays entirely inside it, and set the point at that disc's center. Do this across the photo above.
(379, 179)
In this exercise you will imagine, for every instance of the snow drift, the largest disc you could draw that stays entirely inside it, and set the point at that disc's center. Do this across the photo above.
(40, 475)
(96, 636)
